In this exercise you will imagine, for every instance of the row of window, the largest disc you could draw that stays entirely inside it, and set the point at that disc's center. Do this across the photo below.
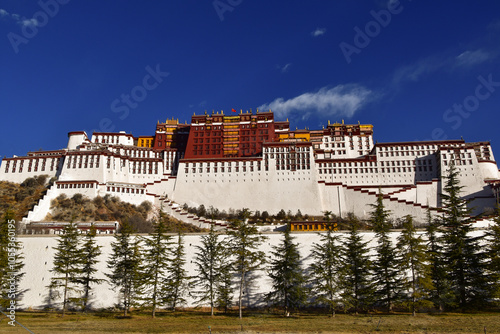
(34, 165)
(406, 148)
(376, 170)
(125, 190)
(86, 161)
(236, 169)
(74, 185)
(286, 149)
(374, 163)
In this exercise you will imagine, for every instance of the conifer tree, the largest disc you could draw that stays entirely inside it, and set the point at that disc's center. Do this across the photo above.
(288, 290)
(387, 282)
(88, 261)
(414, 261)
(125, 264)
(356, 280)
(464, 267)
(157, 251)
(493, 258)
(67, 265)
(225, 288)
(440, 293)
(211, 259)
(11, 261)
(177, 281)
(245, 242)
(325, 268)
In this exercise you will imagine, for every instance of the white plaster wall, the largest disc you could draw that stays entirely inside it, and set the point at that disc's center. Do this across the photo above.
(38, 258)
(259, 190)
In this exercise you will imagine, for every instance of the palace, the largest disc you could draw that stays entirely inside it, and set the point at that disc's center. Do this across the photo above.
(250, 160)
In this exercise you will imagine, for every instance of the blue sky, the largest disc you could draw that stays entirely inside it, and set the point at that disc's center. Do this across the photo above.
(416, 70)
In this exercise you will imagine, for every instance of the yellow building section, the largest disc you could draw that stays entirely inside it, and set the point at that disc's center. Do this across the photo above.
(306, 136)
(283, 136)
(311, 226)
(145, 141)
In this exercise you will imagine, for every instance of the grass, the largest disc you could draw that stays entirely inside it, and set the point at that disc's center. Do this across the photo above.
(255, 322)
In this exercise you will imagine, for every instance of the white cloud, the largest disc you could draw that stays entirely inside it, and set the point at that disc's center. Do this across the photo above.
(28, 22)
(18, 19)
(342, 100)
(285, 68)
(318, 32)
(415, 71)
(469, 58)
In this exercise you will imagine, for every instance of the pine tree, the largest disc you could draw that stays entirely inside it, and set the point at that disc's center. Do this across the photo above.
(210, 260)
(414, 261)
(440, 293)
(88, 261)
(125, 264)
(465, 270)
(387, 281)
(67, 265)
(177, 281)
(493, 258)
(325, 268)
(11, 262)
(225, 288)
(158, 247)
(356, 280)
(287, 275)
(245, 242)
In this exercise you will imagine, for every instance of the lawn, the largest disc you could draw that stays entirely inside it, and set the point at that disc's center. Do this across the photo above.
(254, 322)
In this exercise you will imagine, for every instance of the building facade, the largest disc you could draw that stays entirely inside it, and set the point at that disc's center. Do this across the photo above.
(246, 160)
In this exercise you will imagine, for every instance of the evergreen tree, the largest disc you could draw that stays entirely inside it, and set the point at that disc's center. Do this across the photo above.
(387, 282)
(245, 242)
(210, 260)
(225, 287)
(125, 264)
(465, 270)
(356, 280)
(67, 265)
(88, 261)
(325, 268)
(11, 261)
(177, 280)
(493, 258)
(439, 295)
(158, 247)
(414, 262)
(287, 275)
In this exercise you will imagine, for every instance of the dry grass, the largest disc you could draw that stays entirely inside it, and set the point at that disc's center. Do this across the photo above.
(198, 322)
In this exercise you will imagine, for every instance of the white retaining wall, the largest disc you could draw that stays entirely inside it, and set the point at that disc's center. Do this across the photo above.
(38, 253)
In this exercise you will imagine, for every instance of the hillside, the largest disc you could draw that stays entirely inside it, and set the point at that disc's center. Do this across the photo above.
(20, 198)
(110, 208)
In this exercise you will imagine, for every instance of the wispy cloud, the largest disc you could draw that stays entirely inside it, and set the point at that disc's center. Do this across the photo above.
(469, 58)
(429, 65)
(414, 72)
(342, 100)
(18, 19)
(284, 68)
(318, 32)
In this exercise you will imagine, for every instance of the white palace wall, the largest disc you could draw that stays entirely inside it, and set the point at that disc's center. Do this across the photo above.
(38, 252)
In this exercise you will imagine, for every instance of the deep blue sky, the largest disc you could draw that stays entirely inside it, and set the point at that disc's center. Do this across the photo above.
(65, 73)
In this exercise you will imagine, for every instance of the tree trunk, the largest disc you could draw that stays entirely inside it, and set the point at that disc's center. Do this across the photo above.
(240, 299)
(65, 295)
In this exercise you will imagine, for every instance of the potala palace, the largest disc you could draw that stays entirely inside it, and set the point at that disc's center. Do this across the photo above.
(250, 160)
